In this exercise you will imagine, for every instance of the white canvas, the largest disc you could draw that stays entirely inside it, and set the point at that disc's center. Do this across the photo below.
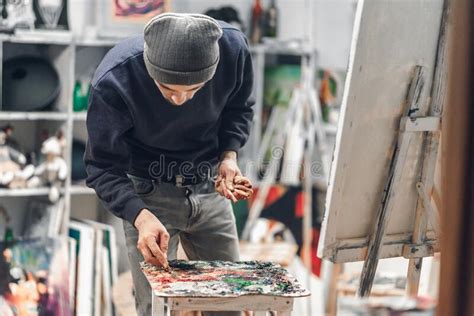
(390, 38)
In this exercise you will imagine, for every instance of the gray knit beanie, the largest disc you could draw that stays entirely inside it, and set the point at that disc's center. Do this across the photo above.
(182, 49)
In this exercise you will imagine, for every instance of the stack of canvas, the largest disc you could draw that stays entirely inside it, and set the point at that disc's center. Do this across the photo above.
(95, 265)
(34, 277)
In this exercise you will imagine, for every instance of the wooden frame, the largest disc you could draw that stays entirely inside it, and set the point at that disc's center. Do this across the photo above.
(260, 304)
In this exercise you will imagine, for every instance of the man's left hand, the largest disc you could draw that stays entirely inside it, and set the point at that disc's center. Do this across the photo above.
(230, 183)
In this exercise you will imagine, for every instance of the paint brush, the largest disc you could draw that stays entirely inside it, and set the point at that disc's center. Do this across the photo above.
(172, 273)
(167, 267)
(170, 270)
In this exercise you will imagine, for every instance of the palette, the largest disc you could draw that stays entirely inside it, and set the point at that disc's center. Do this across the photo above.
(221, 279)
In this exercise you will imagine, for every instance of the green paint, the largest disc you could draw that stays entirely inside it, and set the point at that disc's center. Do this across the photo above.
(283, 287)
(8, 235)
(238, 282)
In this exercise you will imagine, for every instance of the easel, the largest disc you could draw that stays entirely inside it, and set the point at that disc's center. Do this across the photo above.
(409, 124)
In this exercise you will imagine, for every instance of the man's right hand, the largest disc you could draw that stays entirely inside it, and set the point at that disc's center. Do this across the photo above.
(153, 238)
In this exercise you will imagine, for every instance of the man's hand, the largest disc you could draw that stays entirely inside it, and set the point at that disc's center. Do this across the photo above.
(228, 170)
(230, 183)
(153, 238)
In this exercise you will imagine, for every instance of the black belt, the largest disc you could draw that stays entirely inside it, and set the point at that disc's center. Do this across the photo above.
(177, 180)
(180, 180)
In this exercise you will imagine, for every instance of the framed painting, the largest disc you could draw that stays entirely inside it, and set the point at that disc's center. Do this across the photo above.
(123, 18)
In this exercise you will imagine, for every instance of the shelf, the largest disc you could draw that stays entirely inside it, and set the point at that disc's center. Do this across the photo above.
(24, 192)
(282, 48)
(75, 190)
(276, 47)
(66, 38)
(79, 116)
(97, 42)
(39, 37)
(33, 116)
(81, 190)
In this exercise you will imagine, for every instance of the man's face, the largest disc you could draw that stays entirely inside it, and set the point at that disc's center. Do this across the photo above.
(178, 94)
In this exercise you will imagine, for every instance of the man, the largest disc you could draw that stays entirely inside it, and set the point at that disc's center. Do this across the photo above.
(166, 108)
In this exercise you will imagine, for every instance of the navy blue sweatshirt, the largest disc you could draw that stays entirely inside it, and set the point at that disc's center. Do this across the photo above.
(132, 127)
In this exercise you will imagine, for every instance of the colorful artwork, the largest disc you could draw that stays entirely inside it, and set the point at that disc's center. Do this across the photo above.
(34, 278)
(221, 279)
(141, 9)
(286, 205)
(123, 18)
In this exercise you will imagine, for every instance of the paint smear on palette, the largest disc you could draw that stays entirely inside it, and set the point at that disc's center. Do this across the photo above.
(221, 279)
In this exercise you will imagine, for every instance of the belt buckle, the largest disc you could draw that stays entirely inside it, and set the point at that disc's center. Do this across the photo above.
(179, 180)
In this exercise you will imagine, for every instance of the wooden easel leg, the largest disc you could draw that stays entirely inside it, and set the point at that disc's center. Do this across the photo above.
(390, 189)
(158, 307)
(425, 186)
(368, 275)
(285, 313)
(433, 284)
(331, 303)
(413, 276)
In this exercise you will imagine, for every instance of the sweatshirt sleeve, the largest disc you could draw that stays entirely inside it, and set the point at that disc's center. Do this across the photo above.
(107, 154)
(238, 113)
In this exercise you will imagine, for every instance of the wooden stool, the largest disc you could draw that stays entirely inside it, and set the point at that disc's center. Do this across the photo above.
(256, 286)
(259, 304)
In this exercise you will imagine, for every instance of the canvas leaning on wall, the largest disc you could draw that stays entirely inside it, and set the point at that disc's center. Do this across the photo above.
(34, 277)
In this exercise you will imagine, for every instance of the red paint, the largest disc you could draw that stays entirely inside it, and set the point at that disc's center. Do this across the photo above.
(299, 205)
(316, 262)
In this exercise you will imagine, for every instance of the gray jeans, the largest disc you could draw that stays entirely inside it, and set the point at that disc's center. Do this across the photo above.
(196, 216)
